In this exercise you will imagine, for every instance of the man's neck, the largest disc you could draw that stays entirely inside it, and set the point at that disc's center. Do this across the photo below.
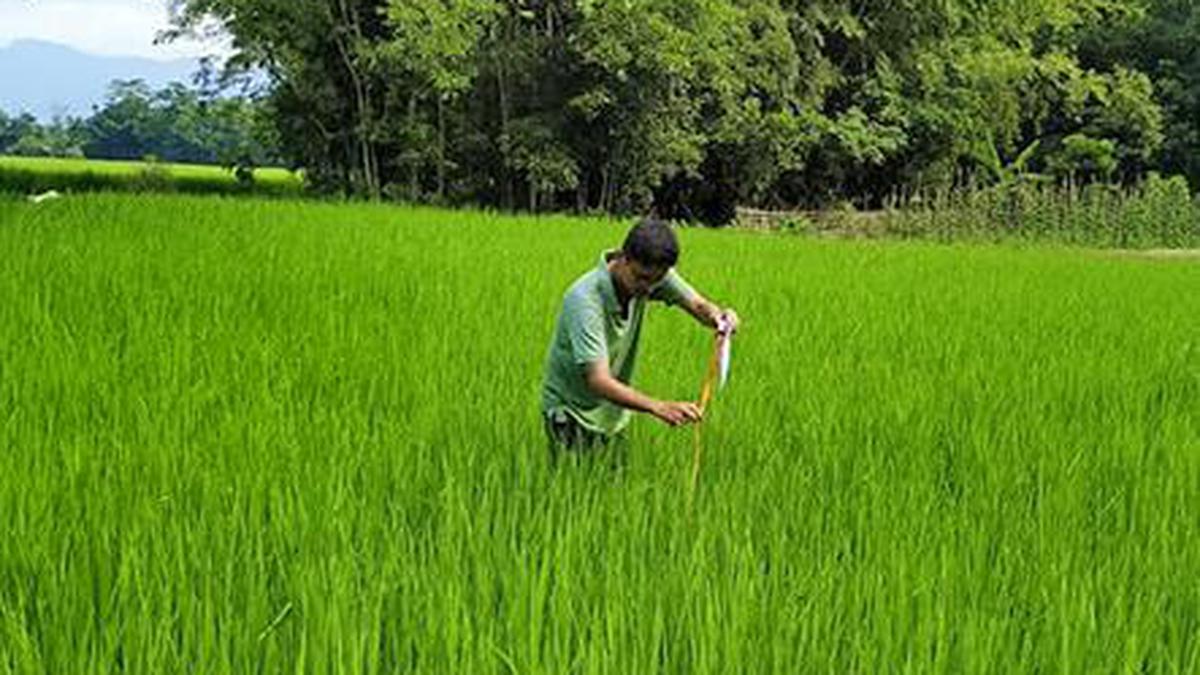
(623, 296)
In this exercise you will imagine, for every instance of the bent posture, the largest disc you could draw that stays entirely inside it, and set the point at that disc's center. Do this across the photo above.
(587, 397)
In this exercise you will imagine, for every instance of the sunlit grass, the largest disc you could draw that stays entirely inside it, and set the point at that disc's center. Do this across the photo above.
(244, 436)
(35, 174)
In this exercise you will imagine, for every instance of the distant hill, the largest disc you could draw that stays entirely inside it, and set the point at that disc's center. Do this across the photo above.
(49, 79)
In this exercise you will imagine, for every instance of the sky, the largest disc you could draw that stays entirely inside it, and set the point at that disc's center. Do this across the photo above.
(102, 27)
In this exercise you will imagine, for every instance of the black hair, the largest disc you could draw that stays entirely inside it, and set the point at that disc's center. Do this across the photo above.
(652, 243)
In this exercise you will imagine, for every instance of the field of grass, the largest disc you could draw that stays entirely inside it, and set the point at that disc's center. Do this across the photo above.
(38, 174)
(246, 436)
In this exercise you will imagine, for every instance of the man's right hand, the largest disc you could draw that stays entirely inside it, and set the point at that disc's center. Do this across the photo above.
(603, 384)
(675, 413)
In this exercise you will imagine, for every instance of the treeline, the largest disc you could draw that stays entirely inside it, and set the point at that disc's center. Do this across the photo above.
(693, 106)
(176, 123)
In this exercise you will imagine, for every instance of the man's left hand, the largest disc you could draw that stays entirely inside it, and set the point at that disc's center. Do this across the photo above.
(728, 319)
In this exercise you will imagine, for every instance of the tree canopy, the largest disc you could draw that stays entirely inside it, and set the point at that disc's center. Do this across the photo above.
(693, 106)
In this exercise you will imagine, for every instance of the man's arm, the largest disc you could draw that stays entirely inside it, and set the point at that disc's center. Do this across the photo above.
(602, 383)
(708, 313)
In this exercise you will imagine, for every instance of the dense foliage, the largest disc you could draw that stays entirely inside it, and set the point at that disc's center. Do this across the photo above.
(692, 106)
(177, 123)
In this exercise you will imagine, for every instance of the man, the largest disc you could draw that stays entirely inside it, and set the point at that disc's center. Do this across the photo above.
(587, 397)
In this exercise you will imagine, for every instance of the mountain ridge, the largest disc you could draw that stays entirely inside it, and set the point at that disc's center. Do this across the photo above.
(51, 80)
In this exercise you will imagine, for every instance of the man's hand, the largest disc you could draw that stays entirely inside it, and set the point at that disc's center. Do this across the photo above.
(711, 315)
(729, 320)
(675, 413)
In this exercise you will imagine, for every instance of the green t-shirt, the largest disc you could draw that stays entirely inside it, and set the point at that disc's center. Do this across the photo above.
(591, 328)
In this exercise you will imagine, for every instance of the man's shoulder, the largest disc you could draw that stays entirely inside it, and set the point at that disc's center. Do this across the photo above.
(585, 290)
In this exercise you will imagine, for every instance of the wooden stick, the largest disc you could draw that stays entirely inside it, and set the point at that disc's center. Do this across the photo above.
(706, 392)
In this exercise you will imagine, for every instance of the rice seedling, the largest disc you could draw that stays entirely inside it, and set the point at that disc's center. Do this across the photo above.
(250, 436)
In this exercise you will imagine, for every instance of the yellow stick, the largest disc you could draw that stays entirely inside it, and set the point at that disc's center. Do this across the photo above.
(706, 392)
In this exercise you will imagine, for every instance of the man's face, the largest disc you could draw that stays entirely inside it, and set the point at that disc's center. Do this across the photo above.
(637, 279)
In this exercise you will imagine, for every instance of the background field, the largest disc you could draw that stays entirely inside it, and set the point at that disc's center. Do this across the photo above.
(38, 174)
(245, 436)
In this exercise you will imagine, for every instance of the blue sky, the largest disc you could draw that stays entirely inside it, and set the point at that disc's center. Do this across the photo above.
(107, 27)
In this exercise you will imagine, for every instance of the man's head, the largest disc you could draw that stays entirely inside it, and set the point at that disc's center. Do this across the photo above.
(650, 249)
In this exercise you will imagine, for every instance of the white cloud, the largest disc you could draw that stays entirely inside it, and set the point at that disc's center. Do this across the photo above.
(109, 27)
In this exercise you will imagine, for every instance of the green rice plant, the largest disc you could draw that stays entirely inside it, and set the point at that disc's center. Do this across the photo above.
(40, 174)
(267, 436)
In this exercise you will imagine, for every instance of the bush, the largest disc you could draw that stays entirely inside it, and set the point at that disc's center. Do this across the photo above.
(153, 176)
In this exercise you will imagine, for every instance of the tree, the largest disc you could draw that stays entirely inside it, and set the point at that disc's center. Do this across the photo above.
(12, 129)
(62, 137)
(434, 44)
(179, 124)
(691, 107)
(326, 86)
(125, 126)
(1161, 40)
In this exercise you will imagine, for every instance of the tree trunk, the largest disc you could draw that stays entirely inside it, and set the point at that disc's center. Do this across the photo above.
(505, 142)
(441, 148)
(603, 204)
(413, 184)
(363, 109)
(370, 182)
